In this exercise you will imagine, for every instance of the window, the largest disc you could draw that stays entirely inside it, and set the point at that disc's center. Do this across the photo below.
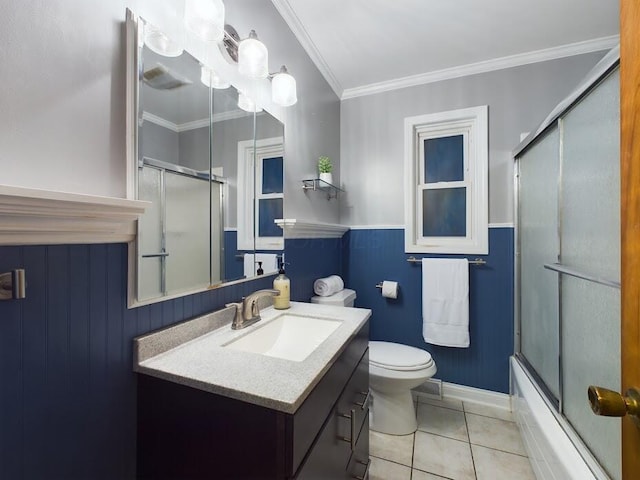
(446, 178)
(257, 213)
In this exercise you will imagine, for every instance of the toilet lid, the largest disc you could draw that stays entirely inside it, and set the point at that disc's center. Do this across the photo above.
(395, 356)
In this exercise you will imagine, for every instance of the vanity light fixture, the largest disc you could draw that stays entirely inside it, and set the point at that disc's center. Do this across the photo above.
(211, 79)
(253, 57)
(245, 103)
(283, 88)
(160, 43)
(205, 18)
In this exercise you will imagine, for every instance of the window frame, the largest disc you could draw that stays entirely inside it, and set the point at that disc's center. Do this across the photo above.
(248, 196)
(472, 124)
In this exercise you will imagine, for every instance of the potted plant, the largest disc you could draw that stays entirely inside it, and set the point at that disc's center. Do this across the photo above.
(324, 168)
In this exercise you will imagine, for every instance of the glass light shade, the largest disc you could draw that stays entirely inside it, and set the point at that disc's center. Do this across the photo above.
(211, 79)
(283, 89)
(246, 104)
(253, 58)
(205, 18)
(160, 43)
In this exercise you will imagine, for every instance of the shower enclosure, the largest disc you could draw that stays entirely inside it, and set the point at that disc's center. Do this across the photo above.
(179, 245)
(568, 262)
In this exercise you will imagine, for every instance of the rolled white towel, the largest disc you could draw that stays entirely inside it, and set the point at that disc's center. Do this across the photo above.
(328, 285)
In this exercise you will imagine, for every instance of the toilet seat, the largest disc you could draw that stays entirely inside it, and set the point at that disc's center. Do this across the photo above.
(398, 357)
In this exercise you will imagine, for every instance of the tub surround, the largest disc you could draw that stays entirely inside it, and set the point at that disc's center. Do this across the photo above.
(192, 354)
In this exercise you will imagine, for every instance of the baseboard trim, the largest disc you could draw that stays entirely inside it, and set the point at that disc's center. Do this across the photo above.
(472, 395)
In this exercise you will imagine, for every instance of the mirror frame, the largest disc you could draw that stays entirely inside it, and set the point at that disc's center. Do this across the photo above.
(134, 33)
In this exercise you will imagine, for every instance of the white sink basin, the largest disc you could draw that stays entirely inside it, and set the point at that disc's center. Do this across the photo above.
(288, 336)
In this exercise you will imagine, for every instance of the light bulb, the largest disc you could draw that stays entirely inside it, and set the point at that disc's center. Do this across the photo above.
(211, 79)
(160, 43)
(205, 18)
(253, 58)
(283, 88)
(246, 104)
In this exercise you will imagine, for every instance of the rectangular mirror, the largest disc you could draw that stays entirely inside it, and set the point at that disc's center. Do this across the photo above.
(212, 171)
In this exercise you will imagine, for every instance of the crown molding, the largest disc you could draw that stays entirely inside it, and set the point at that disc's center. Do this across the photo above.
(502, 63)
(297, 229)
(150, 117)
(41, 217)
(195, 124)
(291, 19)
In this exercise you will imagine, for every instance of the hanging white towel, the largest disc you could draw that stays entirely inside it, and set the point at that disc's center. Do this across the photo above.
(269, 263)
(445, 301)
(328, 285)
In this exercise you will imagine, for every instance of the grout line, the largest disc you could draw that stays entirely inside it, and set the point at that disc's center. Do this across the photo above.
(431, 473)
(473, 462)
(498, 450)
(444, 436)
(413, 451)
(389, 460)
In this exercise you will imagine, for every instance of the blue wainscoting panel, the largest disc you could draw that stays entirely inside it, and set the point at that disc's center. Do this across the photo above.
(372, 256)
(309, 259)
(67, 389)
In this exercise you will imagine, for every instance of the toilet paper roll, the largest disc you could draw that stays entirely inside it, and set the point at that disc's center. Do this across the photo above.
(389, 289)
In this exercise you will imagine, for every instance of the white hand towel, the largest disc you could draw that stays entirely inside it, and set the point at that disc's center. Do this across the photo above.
(328, 285)
(269, 263)
(445, 301)
(249, 265)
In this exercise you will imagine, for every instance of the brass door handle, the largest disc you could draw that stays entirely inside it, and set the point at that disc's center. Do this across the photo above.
(612, 404)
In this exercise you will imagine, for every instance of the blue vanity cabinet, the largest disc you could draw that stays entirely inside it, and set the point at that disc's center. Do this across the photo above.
(187, 433)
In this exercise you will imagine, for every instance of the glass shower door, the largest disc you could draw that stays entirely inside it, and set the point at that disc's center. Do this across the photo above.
(187, 232)
(590, 253)
(539, 244)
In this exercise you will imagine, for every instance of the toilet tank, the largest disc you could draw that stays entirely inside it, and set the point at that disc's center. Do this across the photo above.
(344, 298)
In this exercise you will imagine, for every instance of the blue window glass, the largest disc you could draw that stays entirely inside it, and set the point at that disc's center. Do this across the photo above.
(270, 209)
(444, 212)
(444, 159)
(272, 175)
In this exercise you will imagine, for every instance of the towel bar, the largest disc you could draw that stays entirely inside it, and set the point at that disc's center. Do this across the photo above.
(476, 261)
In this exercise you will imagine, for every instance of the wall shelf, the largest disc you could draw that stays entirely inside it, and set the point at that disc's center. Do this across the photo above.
(317, 184)
(31, 216)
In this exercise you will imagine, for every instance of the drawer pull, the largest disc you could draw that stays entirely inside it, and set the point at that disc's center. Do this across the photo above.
(352, 440)
(365, 402)
(366, 470)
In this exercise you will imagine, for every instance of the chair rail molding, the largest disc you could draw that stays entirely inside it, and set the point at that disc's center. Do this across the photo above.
(294, 228)
(41, 217)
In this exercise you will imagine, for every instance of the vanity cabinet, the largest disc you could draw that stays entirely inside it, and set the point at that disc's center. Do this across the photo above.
(188, 433)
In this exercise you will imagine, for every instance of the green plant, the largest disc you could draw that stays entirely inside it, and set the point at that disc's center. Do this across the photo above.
(324, 164)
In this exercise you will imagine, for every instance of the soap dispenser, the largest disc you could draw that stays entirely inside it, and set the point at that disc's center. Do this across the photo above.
(282, 284)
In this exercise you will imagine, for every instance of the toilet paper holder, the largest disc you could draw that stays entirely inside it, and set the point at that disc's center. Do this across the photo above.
(379, 285)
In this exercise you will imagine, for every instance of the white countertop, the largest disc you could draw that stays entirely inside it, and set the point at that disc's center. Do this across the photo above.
(203, 363)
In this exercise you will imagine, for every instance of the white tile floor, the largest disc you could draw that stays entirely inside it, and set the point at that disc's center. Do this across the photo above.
(455, 440)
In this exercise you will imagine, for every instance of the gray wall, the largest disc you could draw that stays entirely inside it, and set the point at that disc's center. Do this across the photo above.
(372, 132)
(194, 148)
(159, 143)
(312, 126)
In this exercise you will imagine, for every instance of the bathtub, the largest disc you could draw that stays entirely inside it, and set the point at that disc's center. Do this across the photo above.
(553, 455)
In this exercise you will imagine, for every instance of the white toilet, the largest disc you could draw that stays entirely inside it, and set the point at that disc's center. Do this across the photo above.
(394, 369)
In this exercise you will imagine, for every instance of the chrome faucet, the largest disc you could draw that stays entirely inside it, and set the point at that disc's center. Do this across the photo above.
(247, 311)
